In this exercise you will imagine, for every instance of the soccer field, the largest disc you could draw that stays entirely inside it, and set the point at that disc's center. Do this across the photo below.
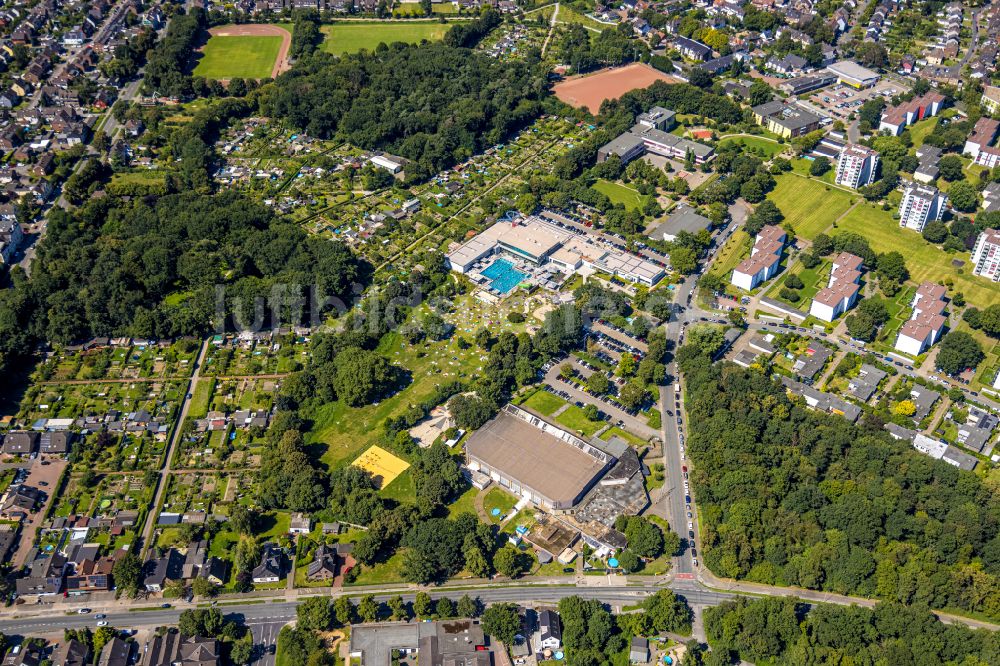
(244, 56)
(808, 205)
(342, 38)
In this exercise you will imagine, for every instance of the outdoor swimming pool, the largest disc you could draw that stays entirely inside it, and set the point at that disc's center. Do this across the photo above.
(503, 276)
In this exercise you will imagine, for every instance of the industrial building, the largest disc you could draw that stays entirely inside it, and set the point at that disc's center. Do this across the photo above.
(921, 204)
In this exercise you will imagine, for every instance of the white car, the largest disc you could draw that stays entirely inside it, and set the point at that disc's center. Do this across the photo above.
(102, 623)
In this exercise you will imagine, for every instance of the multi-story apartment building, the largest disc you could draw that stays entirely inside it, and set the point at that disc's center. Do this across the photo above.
(921, 204)
(856, 166)
(986, 255)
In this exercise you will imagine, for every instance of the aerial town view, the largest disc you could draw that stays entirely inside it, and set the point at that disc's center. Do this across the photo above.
(499, 332)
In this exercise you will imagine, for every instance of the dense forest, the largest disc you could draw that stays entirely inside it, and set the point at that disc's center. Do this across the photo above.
(149, 268)
(167, 63)
(785, 631)
(432, 104)
(790, 496)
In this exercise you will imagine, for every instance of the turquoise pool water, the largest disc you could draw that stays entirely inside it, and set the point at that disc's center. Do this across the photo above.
(503, 276)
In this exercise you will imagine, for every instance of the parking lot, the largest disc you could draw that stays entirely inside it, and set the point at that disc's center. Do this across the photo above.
(840, 101)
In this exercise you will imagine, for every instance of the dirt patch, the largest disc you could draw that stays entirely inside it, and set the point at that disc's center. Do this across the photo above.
(590, 90)
(260, 30)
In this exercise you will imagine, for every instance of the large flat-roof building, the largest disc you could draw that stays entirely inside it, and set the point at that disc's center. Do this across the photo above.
(538, 242)
(649, 135)
(784, 119)
(852, 74)
(534, 459)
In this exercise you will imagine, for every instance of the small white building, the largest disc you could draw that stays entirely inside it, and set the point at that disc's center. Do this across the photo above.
(764, 260)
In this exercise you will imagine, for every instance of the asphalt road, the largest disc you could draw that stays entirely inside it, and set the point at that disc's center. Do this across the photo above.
(265, 634)
(266, 619)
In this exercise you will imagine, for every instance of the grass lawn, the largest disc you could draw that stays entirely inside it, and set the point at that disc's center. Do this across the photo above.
(568, 15)
(352, 37)
(200, 398)
(340, 433)
(401, 489)
(634, 440)
(498, 499)
(924, 261)
(736, 249)
(619, 193)
(464, 503)
(759, 145)
(813, 279)
(244, 56)
(544, 402)
(574, 419)
(389, 571)
(807, 204)
(273, 525)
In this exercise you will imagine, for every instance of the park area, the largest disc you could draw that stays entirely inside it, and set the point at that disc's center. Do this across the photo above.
(244, 51)
(809, 206)
(590, 90)
(341, 38)
(620, 194)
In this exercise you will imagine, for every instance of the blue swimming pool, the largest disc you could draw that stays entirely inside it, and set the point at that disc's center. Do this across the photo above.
(503, 276)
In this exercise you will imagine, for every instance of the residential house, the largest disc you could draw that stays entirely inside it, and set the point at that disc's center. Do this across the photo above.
(985, 258)
(71, 653)
(325, 564)
(692, 49)
(550, 630)
(300, 524)
(856, 166)
(921, 204)
(272, 564)
(116, 652)
(45, 576)
(926, 324)
(164, 570)
(174, 649)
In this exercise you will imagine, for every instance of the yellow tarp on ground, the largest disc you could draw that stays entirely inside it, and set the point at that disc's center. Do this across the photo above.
(384, 466)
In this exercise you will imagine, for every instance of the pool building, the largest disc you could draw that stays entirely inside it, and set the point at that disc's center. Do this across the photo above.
(534, 243)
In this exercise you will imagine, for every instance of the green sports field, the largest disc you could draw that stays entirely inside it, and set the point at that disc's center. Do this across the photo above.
(809, 205)
(342, 38)
(247, 57)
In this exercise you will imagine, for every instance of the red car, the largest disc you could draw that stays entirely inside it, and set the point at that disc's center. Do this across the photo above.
(684, 468)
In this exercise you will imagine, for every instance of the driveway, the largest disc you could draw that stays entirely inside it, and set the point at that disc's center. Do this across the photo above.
(39, 475)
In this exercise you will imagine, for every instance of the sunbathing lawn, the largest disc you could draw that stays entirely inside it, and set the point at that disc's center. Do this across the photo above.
(924, 261)
(340, 38)
(808, 205)
(498, 499)
(634, 440)
(619, 193)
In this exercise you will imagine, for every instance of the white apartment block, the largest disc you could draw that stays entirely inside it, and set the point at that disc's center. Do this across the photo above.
(927, 323)
(856, 166)
(921, 204)
(986, 255)
(764, 260)
(841, 293)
